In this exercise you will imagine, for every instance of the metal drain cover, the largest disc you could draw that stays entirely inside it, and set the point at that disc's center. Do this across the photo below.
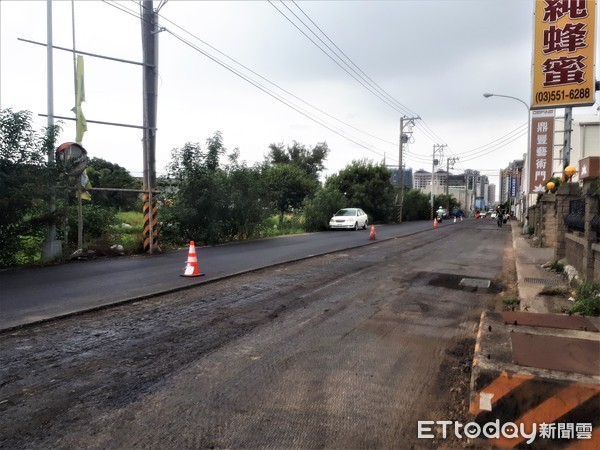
(543, 281)
(474, 282)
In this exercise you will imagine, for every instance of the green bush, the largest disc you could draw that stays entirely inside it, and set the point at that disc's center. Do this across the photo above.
(319, 209)
(272, 226)
(98, 222)
(587, 300)
(129, 231)
(511, 301)
(557, 267)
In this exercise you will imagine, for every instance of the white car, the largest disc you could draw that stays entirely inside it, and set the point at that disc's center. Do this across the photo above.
(349, 219)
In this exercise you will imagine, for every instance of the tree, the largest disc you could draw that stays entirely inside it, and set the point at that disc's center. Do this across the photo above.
(287, 186)
(209, 203)
(195, 194)
(310, 161)
(104, 174)
(446, 201)
(416, 205)
(247, 202)
(25, 184)
(367, 186)
(319, 209)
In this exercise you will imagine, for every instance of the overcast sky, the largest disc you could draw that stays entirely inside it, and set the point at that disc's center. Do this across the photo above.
(433, 59)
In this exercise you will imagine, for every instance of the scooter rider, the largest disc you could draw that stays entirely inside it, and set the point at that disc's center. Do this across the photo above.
(499, 215)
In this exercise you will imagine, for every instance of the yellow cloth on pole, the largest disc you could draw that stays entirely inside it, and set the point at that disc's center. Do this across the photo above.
(81, 123)
(80, 97)
(85, 184)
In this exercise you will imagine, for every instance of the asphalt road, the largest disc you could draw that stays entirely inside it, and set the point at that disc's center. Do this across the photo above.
(36, 294)
(346, 350)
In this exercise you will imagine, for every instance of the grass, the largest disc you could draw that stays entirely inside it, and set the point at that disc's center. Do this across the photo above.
(587, 300)
(291, 224)
(29, 252)
(555, 291)
(129, 233)
(557, 267)
(511, 300)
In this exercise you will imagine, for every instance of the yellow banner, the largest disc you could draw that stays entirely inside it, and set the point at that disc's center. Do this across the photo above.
(80, 97)
(563, 53)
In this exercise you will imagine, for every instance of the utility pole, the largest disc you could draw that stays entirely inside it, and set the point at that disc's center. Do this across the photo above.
(449, 162)
(567, 136)
(437, 149)
(150, 32)
(404, 138)
(52, 248)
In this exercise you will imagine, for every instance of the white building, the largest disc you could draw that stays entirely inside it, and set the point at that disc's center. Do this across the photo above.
(585, 141)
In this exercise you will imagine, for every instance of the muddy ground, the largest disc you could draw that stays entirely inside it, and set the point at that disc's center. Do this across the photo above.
(347, 350)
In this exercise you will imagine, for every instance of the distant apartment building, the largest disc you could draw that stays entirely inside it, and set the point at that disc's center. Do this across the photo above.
(423, 180)
(407, 179)
(470, 189)
(491, 194)
(510, 181)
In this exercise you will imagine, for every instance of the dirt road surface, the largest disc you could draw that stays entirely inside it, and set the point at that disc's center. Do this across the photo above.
(347, 350)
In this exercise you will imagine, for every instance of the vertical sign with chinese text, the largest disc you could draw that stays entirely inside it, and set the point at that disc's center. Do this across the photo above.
(563, 53)
(542, 144)
(513, 186)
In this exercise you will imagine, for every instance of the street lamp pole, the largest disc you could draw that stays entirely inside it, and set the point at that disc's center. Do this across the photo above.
(488, 95)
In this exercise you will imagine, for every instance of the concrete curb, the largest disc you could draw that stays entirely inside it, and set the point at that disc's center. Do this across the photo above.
(528, 262)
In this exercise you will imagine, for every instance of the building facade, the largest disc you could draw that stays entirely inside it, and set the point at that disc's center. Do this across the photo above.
(584, 142)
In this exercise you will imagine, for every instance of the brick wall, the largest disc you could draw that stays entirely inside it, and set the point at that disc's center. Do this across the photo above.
(574, 244)
(580, 249)
(596, 248)
(547, 208)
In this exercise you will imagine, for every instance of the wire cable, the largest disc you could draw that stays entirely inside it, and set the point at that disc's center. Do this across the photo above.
(364, 75)
(297, 108)
(366, 86)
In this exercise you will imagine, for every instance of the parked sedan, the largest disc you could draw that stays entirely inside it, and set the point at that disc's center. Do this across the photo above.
(349, 219)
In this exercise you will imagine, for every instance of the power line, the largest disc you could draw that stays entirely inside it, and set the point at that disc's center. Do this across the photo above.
(512, 139)
(279, 87)
(270, 92)
(347, 61)
(366, 77)
(389, 100)
(275, 95)
(430, 133)
(365, 85)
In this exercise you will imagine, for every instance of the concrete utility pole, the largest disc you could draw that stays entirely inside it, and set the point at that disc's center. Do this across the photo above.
(437, 149)
(449, 162)
(404, 137)
(150, 32)
(52, 248)
(567, 137)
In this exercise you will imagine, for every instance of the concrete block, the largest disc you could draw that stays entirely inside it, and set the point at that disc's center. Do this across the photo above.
(503, 390)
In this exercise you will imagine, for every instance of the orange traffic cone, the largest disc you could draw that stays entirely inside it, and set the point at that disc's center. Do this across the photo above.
(435, 224)
(372, 234)
(191, 268)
